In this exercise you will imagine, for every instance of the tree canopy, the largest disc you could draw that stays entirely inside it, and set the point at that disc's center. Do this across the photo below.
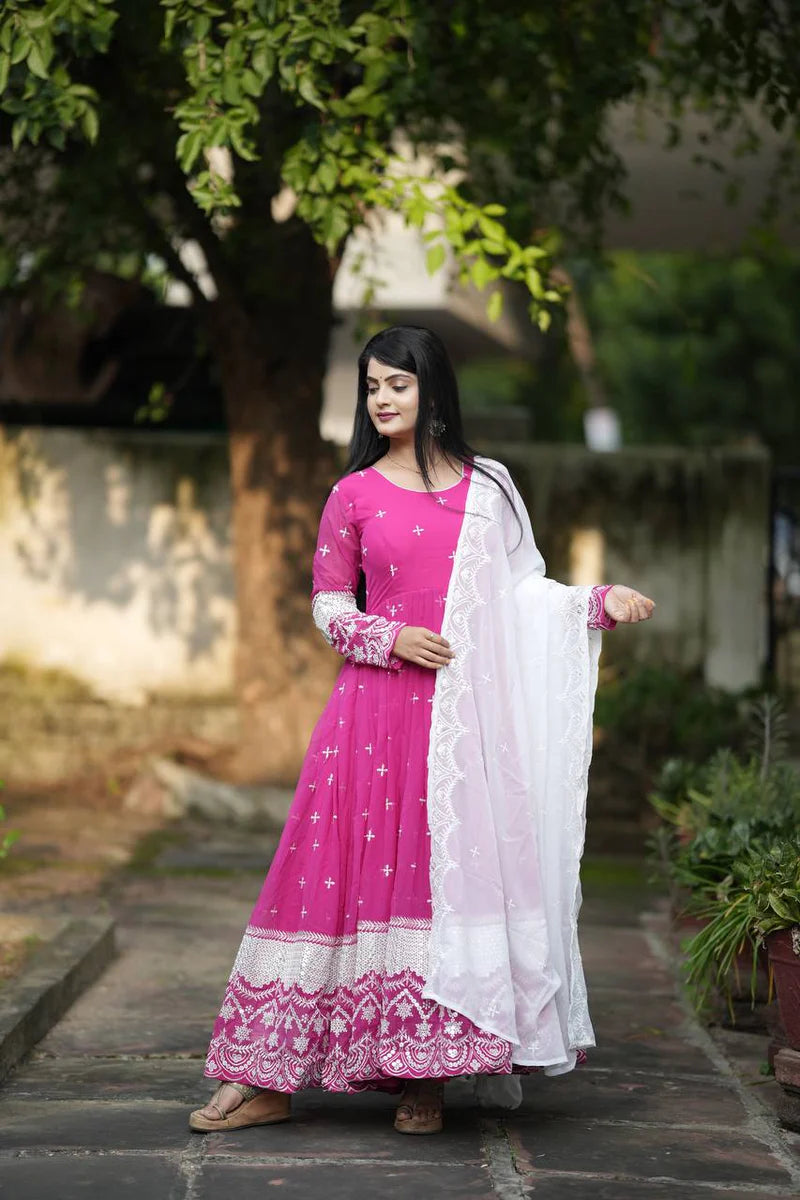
(140, 124)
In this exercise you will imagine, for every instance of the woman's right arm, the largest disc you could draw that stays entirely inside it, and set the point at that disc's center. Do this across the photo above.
(357, 636)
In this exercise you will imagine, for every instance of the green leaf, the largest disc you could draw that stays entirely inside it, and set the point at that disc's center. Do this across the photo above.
(36, 63)
(495, 210)
(543, 319)
(491, 229)
(250, 82)
(18, 131)
(90, 124)
(533, 281)
(263, 61)
(188, 148)
(22, 48)
(328, 174)
(335, 226)
(435, 258)
(5, 66)
(495, 306)
(480, 273)
(231, 91)
(307, 89)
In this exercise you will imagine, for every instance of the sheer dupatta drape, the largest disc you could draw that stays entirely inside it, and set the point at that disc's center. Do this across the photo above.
(510, 745)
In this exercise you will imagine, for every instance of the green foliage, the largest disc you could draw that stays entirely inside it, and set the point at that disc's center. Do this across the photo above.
(38, 43)
(760, 895)
(657, 711)
(712, 813)
(232, 102)
(697, 349)
(730, 848)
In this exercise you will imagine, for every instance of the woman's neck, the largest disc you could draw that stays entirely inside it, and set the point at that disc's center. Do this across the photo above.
(401, 458)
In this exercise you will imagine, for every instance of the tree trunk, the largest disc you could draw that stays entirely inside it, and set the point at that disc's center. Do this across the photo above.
(580, 341)
(272, 371)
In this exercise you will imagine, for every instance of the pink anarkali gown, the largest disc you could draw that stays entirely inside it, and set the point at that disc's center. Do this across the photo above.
(326, 989)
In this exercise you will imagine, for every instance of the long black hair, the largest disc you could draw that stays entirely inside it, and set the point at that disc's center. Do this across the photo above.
(420, 352)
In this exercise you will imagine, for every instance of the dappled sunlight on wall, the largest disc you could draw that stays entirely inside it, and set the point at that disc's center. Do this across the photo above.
(115, 559)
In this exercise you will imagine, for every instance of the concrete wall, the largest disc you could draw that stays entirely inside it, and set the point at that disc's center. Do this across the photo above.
(115, 558)
(115, 552)
(687, 527)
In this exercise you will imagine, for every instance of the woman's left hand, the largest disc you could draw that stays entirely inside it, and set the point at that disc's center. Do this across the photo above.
(624, 604)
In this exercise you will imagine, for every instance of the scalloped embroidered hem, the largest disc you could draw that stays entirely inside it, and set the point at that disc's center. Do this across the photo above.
(374, 1034)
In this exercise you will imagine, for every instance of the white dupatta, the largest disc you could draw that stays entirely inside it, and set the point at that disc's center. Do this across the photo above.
(510, 744)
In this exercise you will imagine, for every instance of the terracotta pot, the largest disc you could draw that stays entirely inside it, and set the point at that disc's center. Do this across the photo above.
(784, 959)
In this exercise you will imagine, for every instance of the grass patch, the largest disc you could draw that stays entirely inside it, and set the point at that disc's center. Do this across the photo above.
(616, 873)
(14, 955)
(150, 847)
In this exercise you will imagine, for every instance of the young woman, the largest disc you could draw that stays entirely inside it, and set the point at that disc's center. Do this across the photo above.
(419, 918)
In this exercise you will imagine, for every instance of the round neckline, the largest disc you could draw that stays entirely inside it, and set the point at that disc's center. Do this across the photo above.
(422, 491)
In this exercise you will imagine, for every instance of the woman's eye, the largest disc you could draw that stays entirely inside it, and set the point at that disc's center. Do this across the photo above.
(400, 389)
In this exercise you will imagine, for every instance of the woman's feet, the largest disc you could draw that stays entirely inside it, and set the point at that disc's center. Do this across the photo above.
(420, 1110)
(238, 1105)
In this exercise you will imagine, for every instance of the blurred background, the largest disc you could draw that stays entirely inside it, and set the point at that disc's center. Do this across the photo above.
(199, 226)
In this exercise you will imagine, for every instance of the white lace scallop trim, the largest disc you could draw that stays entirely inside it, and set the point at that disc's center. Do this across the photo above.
(570, 605)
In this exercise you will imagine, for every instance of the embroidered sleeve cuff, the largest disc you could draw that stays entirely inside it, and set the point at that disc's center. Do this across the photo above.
(394, 662)
(598, 617)
(358, 637)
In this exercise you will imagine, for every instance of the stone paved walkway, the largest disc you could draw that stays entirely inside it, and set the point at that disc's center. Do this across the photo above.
(99, 1111)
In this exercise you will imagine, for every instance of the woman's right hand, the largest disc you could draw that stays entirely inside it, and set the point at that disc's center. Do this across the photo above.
(423, 647)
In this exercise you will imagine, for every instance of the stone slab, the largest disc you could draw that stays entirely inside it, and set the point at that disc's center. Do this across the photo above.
(62, 1177)
(92, 1125)
(116, 1079)
(179, 938)
(692, 1155)
(52, 979)
(787, 1068)
(306, 1182)
(642, 1097)
(664, 1055)
(592, 1187)
(338, 1128)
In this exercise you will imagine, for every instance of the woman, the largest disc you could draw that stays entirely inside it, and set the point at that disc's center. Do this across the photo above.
(419, 918)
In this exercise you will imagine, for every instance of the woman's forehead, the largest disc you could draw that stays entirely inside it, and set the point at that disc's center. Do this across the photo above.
(379, 371)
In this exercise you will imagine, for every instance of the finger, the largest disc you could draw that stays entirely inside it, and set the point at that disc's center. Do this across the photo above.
(436, 637)
(433, 659)
(429, 659)
(438, 640)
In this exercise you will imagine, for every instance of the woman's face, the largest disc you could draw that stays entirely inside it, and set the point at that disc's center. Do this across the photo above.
(392, 399)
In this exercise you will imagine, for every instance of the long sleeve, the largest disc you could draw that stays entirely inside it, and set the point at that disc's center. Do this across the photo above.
(358, 637)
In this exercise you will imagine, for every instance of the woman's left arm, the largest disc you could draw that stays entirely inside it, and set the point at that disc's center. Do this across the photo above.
(609, 604)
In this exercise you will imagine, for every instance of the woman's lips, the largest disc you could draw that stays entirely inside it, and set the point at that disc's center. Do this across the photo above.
(387, 416)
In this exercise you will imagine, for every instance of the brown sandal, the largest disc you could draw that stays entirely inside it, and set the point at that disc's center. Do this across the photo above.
(258, 1107)
(430, 1097)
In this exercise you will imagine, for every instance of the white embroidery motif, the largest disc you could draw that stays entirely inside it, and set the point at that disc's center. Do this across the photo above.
(359, 637)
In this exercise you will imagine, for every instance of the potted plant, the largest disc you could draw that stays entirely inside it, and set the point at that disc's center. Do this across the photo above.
(712, 815)
(713, 812)
(758, 903)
